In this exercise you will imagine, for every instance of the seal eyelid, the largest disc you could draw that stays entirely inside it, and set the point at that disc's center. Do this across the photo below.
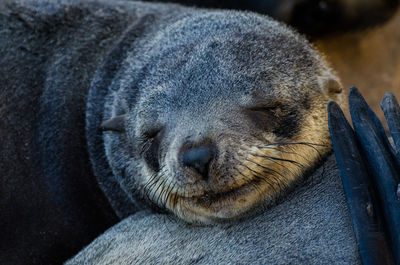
(149, 147)
(264, 108)
(144, 146)
(147, 139)
(258, 104)
(151, 134)
(276, 109)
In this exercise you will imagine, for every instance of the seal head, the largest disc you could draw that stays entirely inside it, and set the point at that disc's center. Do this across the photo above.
(219, 112)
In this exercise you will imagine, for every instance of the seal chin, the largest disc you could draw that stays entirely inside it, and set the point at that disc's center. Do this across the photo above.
(211, 207)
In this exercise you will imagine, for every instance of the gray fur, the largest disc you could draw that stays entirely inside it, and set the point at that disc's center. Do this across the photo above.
(311, 226)
(51, 204)
(193, 74)
(69, 65)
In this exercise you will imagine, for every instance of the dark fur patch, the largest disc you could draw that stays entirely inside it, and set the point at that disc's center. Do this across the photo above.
(283, 121)
(151, 153)
(288, 125)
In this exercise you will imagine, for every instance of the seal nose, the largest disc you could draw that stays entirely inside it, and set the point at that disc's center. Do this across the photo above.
(199, 158)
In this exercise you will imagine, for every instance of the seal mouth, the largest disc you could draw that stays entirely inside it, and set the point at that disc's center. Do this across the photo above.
(213, 199)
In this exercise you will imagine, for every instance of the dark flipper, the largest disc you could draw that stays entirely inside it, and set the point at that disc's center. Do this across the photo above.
(356, 183)
(384, 170)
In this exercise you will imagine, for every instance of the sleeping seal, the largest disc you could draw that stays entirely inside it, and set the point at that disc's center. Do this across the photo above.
(205, 114)
(215, 114)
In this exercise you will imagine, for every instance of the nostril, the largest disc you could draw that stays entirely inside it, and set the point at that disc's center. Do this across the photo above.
(198, 158)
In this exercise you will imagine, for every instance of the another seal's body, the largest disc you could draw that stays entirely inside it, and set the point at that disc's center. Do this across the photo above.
(211, 115)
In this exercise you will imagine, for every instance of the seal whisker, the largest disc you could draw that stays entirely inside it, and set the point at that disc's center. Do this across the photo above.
(149, 181)
(289, 144)
(243, 175)
(152, 189)
(256, 175)
(292, 153)
(147, 187)
(166, 192)
(169, 193)
(164, 187)
(258, 178)
(278, 177)
(161, 184)
(293, 143)
(175, 198)
(272, 159)
(264, 167)
(309, 144)
(149, 193)
(257, 188)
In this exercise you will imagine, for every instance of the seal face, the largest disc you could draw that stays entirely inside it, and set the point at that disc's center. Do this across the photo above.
(218, 113)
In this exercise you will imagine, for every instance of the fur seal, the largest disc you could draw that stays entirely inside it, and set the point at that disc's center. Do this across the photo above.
(207, 114)
(215, 114)
(311, 225)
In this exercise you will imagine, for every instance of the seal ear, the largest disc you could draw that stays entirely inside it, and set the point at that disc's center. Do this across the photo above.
(116, 124)
(332, 86)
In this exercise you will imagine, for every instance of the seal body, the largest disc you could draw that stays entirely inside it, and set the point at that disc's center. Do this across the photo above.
(311, 225)
(219, 113)
(50, 203)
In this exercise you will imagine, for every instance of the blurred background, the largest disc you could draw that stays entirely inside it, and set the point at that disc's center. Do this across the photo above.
(360, 38)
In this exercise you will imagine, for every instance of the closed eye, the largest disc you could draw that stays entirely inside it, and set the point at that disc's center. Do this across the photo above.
(150, 134)
(149, 148)
(275, 110)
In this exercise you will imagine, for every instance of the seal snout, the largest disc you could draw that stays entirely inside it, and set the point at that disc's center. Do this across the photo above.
(198, 158)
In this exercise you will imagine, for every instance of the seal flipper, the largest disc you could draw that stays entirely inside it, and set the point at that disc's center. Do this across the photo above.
(116, 124)
(391, 109)
(384, 169)
(356, 183)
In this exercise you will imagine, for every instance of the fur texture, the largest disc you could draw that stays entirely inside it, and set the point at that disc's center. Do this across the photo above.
(310, 226)
(50, 203)
(242, 82)
(245, 85)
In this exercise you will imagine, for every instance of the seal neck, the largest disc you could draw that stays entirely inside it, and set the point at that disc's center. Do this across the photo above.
(121, 202)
